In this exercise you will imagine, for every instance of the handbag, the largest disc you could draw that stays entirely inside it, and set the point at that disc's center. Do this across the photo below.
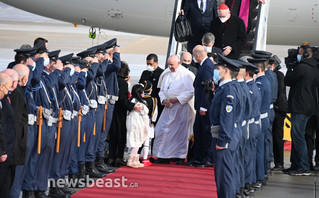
(182, 29)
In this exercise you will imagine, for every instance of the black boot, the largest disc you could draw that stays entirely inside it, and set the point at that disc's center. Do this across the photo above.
(92, 171)
(40, 194)
(57, 193)
(28, 194)
(81, 171)
(101, 166)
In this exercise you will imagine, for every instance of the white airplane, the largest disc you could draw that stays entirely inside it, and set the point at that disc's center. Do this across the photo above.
(290, 22)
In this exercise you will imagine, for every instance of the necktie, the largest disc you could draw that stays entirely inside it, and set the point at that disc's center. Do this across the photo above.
(201, 6)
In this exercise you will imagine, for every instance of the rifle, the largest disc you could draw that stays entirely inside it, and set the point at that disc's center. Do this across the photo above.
(39, 123)
(59, 125)
(104, 118)
(79, 126)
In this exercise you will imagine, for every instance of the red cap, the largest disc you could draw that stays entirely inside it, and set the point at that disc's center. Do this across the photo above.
(223, 7)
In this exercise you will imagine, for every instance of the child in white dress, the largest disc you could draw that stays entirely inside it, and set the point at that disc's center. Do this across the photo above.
(136, 125)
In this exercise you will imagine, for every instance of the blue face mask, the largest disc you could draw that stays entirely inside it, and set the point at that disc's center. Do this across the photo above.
(299, 57)
(72, 72)
(216, 77)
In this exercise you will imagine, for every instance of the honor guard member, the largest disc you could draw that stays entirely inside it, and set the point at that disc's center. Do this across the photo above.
(264, 87)
(152, 73)
(90, 128)
(272, 78)
(103, 115)
(253, 129)
(224, 128)
(22, 56)
(114, 65)
(78, 159)
(45, 97)
(246, 115)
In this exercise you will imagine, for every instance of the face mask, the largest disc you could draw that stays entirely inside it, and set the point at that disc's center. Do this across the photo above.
(208, 49)
(195, 61)
(33, 66)
(216, 77)
(186, 65)
(223, 19)
(150, 68)
(299, 57)
(72, 72)
(46, 62)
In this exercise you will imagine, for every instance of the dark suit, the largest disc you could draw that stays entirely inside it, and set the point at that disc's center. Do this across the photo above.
(200, 22)
(153, 78)
(6, 170)
(231, 33)
(203, 139)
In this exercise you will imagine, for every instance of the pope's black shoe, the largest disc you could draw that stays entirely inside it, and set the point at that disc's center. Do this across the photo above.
(160, 161)
(204, 165)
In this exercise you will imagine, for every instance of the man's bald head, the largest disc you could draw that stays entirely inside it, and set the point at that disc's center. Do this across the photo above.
(23, 72)
(199, 53)
(186, 57)
(5, 83)
(14, 77)
(173, 62)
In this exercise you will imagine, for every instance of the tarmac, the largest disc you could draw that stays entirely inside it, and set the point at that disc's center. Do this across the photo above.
(18, 27)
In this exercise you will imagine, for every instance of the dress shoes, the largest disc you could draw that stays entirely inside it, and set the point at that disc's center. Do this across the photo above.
(92, 171)
(40, 194)
(160, 161)
(278, 168)
(288, 170)
(316, 167)
(193, 162)
(119, 162)
(204, 165)
(180, 162)
(28, 194)
(102, 167)
(57, 193)
(67, 190)
(258, 185)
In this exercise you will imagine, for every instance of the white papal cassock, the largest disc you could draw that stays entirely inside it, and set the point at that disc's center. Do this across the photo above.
(175, 124)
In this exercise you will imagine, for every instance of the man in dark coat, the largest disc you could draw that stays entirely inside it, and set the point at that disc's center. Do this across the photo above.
(200, 14)
(152, 74)
(303, 81)
(203, 150)
(7, 169)
(230, 33)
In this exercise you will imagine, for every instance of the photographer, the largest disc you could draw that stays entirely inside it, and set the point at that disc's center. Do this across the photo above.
(303, 79)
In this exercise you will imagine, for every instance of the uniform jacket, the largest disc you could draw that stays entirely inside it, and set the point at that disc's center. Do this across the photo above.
(111, 75)
(303, 82)
(231, 33)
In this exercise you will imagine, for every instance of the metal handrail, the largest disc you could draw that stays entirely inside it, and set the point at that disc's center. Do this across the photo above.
(260, 37)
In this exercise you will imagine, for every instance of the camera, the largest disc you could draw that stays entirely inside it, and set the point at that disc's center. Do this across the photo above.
(291, 60)
(207, 85)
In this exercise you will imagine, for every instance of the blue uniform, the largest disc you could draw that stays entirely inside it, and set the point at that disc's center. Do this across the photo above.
(245, 115)
(272, 78)
(264, 87)
(110, 76)
(253, 133)
(223, 116)
(91, 90)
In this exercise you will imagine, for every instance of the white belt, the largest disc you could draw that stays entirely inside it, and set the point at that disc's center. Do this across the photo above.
(67, 115)
(257, 122)
(101, 99)
(32, 119)
(47, 113)
(252, 120)
(235, 125)
(271, 106)
(93, 104)
(85, 109)
(52, 120)
(112, 99)
(214, 130)
(243, 123)
(74, 114)
(263, 115)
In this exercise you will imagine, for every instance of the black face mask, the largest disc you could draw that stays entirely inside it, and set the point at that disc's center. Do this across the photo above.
(186, 65)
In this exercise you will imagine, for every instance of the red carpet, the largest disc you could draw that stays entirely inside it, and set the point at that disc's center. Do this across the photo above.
(157, 181)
